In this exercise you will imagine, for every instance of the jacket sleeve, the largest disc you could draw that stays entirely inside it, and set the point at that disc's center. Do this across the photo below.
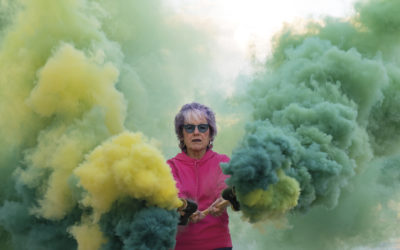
(222, 177)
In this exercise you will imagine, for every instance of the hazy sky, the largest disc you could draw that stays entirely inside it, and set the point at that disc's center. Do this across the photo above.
(259, 18)
(238, 25)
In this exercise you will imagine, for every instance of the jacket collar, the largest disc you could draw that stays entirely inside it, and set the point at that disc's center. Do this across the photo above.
(185, 158)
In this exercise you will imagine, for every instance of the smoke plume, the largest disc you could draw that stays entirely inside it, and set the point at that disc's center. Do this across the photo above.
(325, 123)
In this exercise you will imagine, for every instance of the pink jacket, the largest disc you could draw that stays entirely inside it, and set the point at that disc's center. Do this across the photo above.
(202, 181)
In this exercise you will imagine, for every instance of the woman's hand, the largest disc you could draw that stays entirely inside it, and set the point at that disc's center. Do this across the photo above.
(196, 217)
(218, 207)
(215, 209)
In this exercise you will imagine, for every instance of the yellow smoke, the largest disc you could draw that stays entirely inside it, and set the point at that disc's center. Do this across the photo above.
(76, 94)
(61, 159)
(126, 166)
(70, 85)
(37, 29)
(88, 235)
(276, 200)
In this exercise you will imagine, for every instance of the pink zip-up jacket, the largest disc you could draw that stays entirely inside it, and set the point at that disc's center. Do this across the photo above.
(202, 181)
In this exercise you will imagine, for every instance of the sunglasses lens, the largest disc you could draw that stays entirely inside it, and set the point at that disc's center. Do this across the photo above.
(202, 128)
(189, 128)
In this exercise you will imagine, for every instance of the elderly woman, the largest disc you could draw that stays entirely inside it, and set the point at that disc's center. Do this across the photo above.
(199, 178)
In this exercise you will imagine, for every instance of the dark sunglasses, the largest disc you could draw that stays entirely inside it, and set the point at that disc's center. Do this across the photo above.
(189, 128)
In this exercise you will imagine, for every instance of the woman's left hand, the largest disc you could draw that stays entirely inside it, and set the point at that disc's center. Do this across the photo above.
(218, 207)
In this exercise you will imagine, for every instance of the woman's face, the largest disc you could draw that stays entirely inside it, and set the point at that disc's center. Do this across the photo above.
(196, 141)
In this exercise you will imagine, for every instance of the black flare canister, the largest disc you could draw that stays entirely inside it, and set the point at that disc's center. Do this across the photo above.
(229, 194)
(188, 210)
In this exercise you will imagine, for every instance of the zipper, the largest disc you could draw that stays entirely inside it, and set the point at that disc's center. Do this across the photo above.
(197, 180)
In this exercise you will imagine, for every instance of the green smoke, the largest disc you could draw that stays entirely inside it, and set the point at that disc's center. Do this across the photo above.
(74, 74)
(129, 226)
(326, 114)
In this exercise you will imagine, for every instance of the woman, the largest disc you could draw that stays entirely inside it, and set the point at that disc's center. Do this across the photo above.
(199, 177)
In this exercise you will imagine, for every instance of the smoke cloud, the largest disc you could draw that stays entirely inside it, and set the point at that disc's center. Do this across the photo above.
(84, 83)
(77, 77)
(325, 118)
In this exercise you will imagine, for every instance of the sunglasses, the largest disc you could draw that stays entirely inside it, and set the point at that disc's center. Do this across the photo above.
(189, 128)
